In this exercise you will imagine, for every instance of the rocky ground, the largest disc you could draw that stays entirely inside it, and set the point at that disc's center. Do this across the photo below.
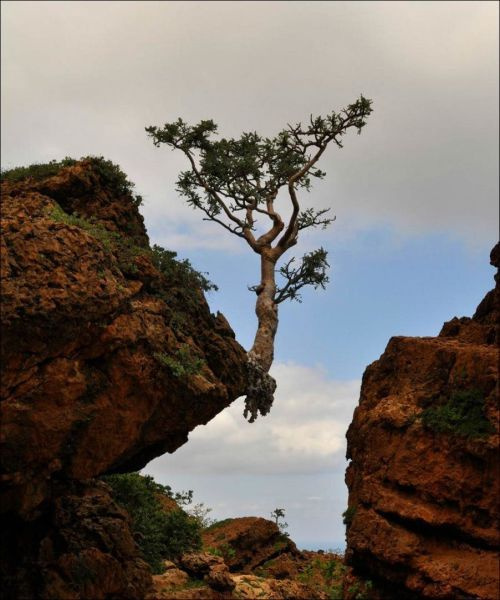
(250, 558)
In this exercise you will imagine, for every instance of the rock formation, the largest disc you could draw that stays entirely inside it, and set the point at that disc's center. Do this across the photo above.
(423, 481)
(251, 542)
(108, 360)
(249, 558)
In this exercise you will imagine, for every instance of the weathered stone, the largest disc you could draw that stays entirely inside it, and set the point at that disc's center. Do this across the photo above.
(247, 542)
(219, 578)
(199, 564)
(86, 318)
(424, 510)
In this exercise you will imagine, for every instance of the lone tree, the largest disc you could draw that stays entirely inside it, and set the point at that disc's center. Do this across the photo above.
(277, 514)
(236, 181)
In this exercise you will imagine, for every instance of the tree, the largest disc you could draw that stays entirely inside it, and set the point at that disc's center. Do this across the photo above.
(277, 514)
(234, 182)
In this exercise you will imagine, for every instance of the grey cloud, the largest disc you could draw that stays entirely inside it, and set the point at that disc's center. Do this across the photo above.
(82, 77)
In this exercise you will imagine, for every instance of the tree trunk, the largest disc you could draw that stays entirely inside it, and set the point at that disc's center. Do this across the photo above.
(261, 386)
(267, 314)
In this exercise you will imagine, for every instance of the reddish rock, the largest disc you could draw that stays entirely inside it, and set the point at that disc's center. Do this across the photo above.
(82, 391)
(198, 564)
(86, 319)
(424, 504)
(247, 542)
(79, 547)
(251, 587)
(219, 578)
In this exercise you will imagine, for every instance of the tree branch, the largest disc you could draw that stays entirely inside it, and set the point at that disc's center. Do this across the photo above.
(246, 232)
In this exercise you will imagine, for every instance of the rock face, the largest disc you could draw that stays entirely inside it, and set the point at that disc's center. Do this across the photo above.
(80, 546)
(247, 542)
(423, 493)
(110, 355)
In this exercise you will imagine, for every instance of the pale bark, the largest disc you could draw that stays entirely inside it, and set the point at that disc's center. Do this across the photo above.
(261, 386)
(267, 313)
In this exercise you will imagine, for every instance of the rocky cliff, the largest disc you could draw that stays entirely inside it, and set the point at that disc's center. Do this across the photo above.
(110, 357)
(423, 478)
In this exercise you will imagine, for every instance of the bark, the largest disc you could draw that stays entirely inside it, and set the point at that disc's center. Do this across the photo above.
(261, 386)
(267, 314)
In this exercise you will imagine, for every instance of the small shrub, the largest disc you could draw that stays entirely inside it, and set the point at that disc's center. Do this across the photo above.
(182, 363)
(94, 229)
(160, 535)
(200, 512)
(180, 272)
(348, 515)
(111, 175)
(228, 551)
(463, 414)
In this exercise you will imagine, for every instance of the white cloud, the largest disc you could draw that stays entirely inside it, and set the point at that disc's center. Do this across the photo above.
(304, 433)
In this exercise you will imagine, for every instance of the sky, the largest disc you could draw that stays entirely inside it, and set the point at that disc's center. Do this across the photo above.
(415, 196)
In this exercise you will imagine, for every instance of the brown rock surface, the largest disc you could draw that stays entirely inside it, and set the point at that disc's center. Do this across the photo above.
(79, 548)
(253, 587)
(219, 578)
(247, 542)
(424, 504)
(298, 575)
(198, 564)
(82, 392)
(86, 319)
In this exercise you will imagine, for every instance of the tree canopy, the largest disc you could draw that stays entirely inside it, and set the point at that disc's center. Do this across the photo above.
(236, 182)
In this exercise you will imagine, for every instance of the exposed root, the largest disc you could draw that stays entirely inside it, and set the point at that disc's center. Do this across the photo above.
(260, 390)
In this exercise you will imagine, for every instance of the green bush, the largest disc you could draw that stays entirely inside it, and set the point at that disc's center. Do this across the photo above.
(180, 272)
(348, 515)
(463, 414)
(160, 535)
(36, 170)
(182, 363)
(108, 238)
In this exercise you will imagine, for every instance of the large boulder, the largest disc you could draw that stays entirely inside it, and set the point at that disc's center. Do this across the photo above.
(423, 482)
(247, 542)
(109, 353)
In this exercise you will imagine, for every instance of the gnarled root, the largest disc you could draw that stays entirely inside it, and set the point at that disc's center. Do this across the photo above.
(260, 390)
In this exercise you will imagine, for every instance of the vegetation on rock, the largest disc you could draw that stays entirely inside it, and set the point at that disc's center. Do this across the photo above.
(110, 174)
(348, 515)
(182, 363)
(463, 414)
(160, 534)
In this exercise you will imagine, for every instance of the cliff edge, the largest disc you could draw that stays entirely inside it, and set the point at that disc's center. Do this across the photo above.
(110, 357)
(423, 479)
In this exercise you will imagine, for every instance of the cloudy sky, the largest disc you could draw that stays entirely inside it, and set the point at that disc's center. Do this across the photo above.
(415, 195)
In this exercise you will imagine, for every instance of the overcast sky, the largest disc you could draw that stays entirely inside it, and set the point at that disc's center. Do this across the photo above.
(415, 195)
